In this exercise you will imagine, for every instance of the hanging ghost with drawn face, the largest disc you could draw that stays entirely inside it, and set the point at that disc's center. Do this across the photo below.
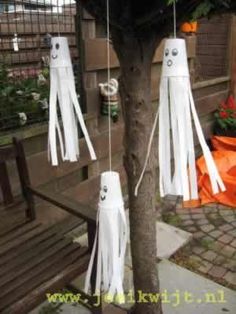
(177, 109)
(111, 238)
(63, 93)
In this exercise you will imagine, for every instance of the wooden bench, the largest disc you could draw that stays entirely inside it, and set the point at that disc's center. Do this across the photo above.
(36, 259)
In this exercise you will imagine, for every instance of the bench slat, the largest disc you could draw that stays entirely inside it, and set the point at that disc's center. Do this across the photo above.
(57, 282)
(24, 256)
(18, 232)
(24, 284)
(48, 232)
(33, 261)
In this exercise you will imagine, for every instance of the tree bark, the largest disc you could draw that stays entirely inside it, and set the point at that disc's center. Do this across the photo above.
(135, 58)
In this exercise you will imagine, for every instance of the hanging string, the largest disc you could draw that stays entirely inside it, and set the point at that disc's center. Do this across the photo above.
(148, 153)
(174, 17)
(58, 22)
(108, 80)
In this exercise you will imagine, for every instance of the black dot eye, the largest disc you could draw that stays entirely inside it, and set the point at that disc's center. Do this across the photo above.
(57, 46)
(174, 52)
(167, 52)
(51, 46)
(105, 189)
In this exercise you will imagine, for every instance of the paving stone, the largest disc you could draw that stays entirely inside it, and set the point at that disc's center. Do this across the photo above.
(202, 222)
(196, 258)
(196, 210)
(209, 239)
(230, 277)
(209, 210)
(217, 271)
(231, 265)
(198, 235)
(227, 251)
(225, 209)
(233, 243)
(191, 229)
(217, 246)
(232, 232)
(198, 250)
(185, 217)
(182, 210)
(216, 233)
(207, 228)
(198, 216)
(229, 218)
(226, 227)
(209, 255)
(187, 223)
(234, 223)
(224, 214)
(214, 216)
(225, 238)
(205, 267)
(220, 260)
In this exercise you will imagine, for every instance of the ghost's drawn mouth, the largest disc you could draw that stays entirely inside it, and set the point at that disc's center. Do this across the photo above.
(103, 198)
(54, 57)
(169, 63)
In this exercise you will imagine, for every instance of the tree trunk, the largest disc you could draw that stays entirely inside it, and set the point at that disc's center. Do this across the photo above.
(135, 58)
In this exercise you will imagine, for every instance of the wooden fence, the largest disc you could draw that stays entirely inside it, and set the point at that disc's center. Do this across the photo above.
(213, 49)
(31, 28)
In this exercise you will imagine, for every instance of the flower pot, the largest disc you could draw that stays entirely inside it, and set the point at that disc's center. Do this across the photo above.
(189, 27)
(221, 132)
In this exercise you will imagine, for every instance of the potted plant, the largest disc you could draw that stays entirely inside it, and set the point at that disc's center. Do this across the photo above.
(225, 118)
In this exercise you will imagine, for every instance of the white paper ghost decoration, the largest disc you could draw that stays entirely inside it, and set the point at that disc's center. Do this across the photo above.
(111, 238)
(175, 126)
(63, 92)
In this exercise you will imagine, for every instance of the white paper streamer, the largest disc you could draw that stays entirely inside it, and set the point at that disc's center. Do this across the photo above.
(63, 92)
(175, 125)
(110, 240)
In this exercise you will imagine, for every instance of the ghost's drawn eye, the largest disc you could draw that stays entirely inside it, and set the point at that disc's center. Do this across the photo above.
(167, 52)
(51, 46)
(57, 46)
(105, 189)
(174, 52)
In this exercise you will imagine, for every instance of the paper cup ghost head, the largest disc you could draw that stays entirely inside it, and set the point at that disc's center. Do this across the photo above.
(177, 111)
(110, 192)
(175, 62)
(60, 53)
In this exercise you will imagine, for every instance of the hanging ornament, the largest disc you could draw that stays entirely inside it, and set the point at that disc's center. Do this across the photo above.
(15, 42)
(110, 240)
(62, 89)
(175, 126)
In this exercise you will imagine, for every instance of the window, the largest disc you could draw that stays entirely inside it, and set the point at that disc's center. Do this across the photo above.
(4, 8)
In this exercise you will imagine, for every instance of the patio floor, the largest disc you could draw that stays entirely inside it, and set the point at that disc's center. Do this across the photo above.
(212, 251)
